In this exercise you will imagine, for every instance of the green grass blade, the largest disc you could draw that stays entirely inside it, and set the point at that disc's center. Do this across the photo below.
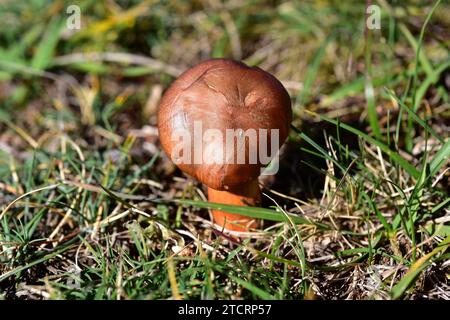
(371, 108)
(440, 158)
(415, 116)
(429, 80)
(253, 212)
(252, 288)
(66, 247)
(321, 150)
(425, 63)
(311, 75)
(399, 289)
(392, 154)
(46, 49)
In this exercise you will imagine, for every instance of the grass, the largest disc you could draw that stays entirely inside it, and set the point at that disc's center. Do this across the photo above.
(90, 208)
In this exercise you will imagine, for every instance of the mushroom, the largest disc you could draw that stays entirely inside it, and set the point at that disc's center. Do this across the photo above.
(214, 120)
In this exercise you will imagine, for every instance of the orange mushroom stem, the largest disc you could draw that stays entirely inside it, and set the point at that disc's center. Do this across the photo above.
(247, 194)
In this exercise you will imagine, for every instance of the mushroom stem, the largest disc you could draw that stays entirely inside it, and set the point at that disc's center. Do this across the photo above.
(247, 194)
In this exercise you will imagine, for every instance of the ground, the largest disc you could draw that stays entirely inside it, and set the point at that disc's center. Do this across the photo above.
(91, 208)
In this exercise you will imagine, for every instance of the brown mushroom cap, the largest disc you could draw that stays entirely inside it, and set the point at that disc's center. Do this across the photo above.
(223, 94)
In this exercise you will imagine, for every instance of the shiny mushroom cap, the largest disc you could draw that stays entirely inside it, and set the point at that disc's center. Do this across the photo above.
(222, 94)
